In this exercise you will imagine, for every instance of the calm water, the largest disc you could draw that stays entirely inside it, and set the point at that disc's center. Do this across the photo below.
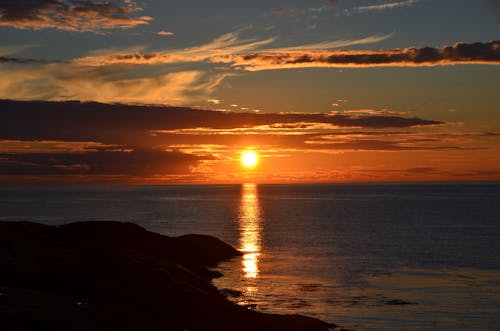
(349, 254)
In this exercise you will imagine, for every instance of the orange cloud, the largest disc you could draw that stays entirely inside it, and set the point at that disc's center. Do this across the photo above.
(226, 44)
(63, 81)
(165, 33)
(71, 15)
(49, 146)
(460, 53)
(137, 135)
(50, 141)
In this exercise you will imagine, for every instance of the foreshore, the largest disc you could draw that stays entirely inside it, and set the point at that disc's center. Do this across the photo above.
(118, 276)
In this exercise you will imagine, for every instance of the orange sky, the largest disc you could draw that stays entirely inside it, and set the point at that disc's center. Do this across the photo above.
(325, 91)
(89, 142)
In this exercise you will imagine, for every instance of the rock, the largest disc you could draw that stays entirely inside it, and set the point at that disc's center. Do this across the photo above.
(118, 276)
(227, 292)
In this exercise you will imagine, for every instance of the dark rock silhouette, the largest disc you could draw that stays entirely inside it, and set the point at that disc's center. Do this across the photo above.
(118, 276)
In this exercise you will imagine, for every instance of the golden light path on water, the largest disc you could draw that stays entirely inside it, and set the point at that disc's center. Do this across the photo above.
(249, 220)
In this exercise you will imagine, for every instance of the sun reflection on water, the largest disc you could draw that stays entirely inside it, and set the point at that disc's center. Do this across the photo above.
(249, 220)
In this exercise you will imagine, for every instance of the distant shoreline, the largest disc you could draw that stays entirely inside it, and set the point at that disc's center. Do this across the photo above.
(7, 185)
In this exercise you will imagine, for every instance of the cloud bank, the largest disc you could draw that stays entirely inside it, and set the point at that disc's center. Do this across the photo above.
(93, 121)
(102, 162)
(460, 53)
(230, 50)
(95, 142)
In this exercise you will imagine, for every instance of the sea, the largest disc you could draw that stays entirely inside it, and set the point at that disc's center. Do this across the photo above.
(366, 257)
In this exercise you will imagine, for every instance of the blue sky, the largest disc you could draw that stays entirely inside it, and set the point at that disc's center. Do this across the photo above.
(419, 23)
(392, 24)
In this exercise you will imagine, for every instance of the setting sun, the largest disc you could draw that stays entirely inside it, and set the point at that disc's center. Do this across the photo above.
(249, 159)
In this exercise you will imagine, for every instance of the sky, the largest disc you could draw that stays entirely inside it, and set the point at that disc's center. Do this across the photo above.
(327, 91)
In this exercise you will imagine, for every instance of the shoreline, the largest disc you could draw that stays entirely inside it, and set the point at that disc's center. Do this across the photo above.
(111, 275)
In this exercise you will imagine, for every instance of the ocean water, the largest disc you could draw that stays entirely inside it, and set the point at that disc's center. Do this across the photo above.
(367, 257)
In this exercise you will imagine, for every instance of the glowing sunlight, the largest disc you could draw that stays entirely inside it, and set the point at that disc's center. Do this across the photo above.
(250, 230)
(249, 159)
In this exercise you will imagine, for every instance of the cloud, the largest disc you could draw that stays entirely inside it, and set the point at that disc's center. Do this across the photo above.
(102, 162)
(13, 49)
(67, 81)
(177, 88)
(88, 141)
(50, 146)
(282, 138)
(387, 5)
(108, 123)
(214, 101)
(335, 43)
(422, 170)
(69, 127)
(283, 11)
(366, 111)
(165, 33)
(379, 145)
(460, 53)
(107, 77)
(4, 59)
(71, 15)
(226, 44)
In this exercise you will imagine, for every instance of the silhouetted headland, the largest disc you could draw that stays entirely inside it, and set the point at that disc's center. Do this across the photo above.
(118, 276)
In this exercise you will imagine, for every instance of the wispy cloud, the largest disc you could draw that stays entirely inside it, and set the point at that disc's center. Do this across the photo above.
(226, 44)
(71, 15)
(336, 43)
(14, 49)
(387, 5)
(107, 76)
(67, 81)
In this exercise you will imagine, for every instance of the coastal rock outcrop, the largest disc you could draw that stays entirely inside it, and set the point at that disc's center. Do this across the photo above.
(118, 276)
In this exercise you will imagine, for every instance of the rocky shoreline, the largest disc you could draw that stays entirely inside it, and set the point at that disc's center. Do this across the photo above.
(118, 276)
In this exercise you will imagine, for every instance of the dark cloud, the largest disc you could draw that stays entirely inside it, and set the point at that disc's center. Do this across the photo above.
(103, 162)
(111, 123)
(93, 142)
(460, 53)
(382, 145)
(353, 141)
(15, 60)
(422, 170)
(144, 141)
(70, 15)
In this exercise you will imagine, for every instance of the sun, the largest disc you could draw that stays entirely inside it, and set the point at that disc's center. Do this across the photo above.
(249, 159)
